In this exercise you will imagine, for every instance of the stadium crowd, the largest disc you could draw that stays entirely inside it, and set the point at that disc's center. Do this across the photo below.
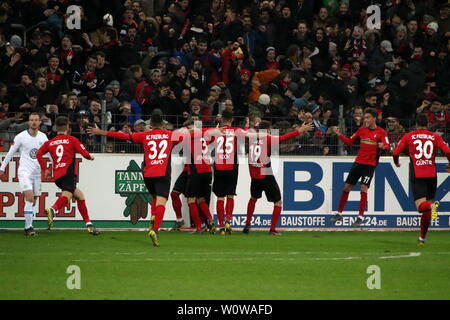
(286, 61)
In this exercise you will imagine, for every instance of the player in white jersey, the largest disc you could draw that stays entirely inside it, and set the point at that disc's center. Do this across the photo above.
(27, 143)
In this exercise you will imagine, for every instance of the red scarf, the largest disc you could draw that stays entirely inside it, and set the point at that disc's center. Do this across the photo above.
(88, 76)
(66, 53)
(53, 76)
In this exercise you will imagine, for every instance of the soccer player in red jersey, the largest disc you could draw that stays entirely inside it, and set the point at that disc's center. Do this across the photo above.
(226, 169)
(199, 175)
(263, 180)
(372, 140)
(157, 144)
(179, 187)
(62, 149)
(422, 145)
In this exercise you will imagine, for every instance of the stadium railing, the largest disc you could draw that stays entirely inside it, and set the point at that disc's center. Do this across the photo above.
(321, 141)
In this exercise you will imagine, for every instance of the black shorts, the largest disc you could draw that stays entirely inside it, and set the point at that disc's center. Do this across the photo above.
(198, 185)
(225, 183)
(424, 188)
(67, 182)
(270, 187)
(360, 171)
(180, 184)
(158, 186)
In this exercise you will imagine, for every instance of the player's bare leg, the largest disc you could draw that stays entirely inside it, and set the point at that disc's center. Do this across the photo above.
(29, 212)
(201, 202)
(250, 211)
(342, 202)
(362, 206)
(425, 208)
(275, 217)
(62, 201)
(157, 218)
(220, 208)
(81, 204)
(229, 212)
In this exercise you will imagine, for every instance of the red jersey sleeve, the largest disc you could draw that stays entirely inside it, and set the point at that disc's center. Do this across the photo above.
(138, 137)
(350, 141)
(274, 141)
(289, 135)
(120, 135)
(40, 155)
(400, 147)
(79, 147)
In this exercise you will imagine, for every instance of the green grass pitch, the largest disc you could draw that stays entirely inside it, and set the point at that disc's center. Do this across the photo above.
(297, 265)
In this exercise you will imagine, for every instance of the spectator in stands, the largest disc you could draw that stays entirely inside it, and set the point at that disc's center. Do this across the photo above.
(263, 58)
(394, 130)
(69, 106)
(438, 117)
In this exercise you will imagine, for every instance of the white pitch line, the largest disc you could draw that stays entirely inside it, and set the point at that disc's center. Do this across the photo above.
(410, 255)
(344, 258)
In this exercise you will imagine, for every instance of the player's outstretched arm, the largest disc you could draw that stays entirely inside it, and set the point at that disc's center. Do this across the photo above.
(79, 147)
(95, 131)
(348, 141)
(14, 148)
(304, 128)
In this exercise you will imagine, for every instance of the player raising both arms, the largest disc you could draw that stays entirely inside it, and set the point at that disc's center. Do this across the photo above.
(263, 180)
(422, 145)
(63, 149)
(372, 140)
(27, 143)
(157, 144)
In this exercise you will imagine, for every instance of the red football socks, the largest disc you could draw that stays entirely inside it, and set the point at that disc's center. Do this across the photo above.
(275, 217)
(205, 209)
(195, 216)
(425, 220)
(83, 210)
(61, 202)
(343, 201)
(250, 210)
(425, 206)
(362, 204)
(159, 216)
(220, 207)
(229, 208)
(176, 204)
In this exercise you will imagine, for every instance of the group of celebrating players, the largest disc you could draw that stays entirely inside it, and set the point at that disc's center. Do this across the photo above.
(222, 168)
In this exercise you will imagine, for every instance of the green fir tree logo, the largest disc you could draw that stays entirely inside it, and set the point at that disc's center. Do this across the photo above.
(130, 185)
